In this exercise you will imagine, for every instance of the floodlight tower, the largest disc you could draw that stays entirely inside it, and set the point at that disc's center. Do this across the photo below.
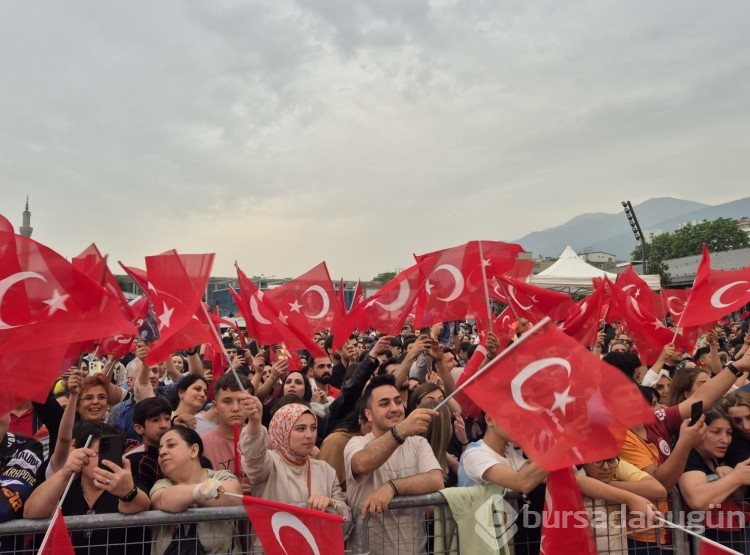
(637, 231)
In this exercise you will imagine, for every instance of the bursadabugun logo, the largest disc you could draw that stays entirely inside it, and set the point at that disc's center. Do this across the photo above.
(496, 521)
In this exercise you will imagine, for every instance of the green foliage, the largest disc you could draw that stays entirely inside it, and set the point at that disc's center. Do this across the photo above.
(720, 235)
(384, 277)
(723, 234)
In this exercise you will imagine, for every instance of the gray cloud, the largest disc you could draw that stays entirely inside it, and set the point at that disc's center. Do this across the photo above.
(280, 134)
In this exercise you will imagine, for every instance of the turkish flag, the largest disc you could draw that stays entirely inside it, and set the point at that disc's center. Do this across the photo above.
(456, 281)
(561, 404)
(469, 408)
(139, 277)
(710, 548)
(632, 284)
(583, 323)
(338, 327)
(283, 529)
(386, 310)
(57, 539)
(177, 283)
(43, 297)
(715, 293)
(268, 324)
(532, 302)
(648, 332)
(565, 529)
(674, 301)
(359, 295)
(501, 325)
(93, 264)
(308, 301)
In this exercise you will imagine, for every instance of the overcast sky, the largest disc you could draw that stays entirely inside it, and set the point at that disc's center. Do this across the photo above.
(284, 133)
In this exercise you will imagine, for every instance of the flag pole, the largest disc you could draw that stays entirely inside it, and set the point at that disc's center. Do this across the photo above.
(223, 349)
(510, 304)
(505, 352)
(696, 534)
(486, 287)
(70, 481)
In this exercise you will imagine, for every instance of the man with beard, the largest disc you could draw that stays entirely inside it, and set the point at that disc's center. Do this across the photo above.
(322, 371)
(393, 459)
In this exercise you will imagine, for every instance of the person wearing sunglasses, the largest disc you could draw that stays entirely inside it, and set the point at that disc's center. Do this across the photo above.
(604, 505)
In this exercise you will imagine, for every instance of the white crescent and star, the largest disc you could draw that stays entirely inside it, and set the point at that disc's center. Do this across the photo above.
(458, 287)
(165, 318)
(54, 303)
(282, 519)
(323, 296)
(256, 314)
(512, 293)
(636, 307)
(561, 399)
(403, 295)
(671, 308)
(716, 300)
(632, 286)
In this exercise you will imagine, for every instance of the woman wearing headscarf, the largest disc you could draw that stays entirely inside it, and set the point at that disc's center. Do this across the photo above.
(288, 474)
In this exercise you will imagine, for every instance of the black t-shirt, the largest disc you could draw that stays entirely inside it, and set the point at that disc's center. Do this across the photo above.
(739, 449)
(115, 541)
(144, 464)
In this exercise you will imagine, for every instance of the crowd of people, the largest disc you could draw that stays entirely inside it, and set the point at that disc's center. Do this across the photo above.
(349, 432)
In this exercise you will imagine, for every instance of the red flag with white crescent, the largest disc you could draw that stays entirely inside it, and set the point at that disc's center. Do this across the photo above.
(283, 529)
(564, 405)
(715, 293)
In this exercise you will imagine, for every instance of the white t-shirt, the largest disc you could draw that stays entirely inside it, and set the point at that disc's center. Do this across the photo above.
(479, 457)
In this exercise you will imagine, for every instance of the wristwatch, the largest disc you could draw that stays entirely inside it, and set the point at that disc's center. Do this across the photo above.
(736, 371)
(128, 497)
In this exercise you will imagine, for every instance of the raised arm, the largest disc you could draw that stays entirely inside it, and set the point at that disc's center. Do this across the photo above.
(195, 364)
(374, 454)
(65, 433)
(46, 496)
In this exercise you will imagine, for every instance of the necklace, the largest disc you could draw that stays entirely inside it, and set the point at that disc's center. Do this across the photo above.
(91, 510)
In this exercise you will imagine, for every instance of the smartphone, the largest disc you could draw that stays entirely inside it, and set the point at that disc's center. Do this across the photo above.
(110, 449)
(695, 412)
(282, 353)
(95, 367)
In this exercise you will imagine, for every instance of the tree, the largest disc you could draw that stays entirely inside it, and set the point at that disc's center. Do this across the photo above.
(384, 277)
(720, 235)
(723, 234)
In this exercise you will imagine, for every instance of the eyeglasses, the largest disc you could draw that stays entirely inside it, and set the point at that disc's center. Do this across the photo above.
(611, 463)
(329, 365)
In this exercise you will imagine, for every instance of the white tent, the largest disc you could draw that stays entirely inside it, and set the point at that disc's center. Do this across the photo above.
(572, 275)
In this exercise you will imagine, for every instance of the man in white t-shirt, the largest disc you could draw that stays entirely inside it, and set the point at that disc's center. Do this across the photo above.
(393, 459)
(493, 460)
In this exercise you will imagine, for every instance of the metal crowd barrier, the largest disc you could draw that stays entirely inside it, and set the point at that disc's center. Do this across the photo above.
(24, 536)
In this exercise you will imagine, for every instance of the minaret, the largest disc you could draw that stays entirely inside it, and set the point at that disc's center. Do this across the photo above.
(26, 228)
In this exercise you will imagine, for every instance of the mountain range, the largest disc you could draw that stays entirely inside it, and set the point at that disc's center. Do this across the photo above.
(611, 233)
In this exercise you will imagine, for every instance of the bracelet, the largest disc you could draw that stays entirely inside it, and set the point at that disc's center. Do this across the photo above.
(397, 437)
(191, 352)
(736, 371)
(393, 487)
(463, 444)
(128, 497)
